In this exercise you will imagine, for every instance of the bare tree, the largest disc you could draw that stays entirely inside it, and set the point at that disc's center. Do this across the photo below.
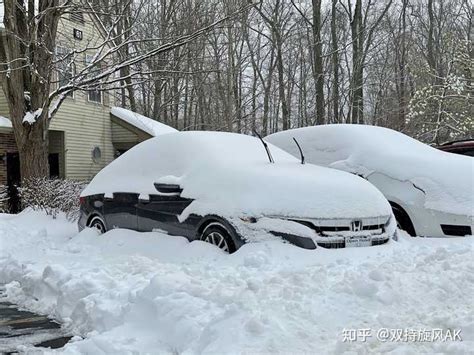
(29, 60)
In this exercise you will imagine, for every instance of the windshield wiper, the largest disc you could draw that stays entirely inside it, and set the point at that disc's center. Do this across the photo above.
(266, 147)
(299, 148)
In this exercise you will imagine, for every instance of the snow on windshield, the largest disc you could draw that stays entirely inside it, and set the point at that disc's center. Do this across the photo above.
(447, 179)
(230, 174)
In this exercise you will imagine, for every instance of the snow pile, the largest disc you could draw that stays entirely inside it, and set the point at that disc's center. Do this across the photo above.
(5, 122)
(447, 179)
(230, 175)
(128, 292)
(146, 124)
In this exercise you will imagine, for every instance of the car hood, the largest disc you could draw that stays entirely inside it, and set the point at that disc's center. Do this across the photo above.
(282, 189)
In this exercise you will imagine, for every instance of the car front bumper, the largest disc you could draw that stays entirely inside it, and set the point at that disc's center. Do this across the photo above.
(310, 233)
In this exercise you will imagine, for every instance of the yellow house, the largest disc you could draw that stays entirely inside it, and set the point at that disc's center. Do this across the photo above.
(87, 133)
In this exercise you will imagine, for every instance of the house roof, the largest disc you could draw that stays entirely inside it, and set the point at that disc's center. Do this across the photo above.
(143, 123)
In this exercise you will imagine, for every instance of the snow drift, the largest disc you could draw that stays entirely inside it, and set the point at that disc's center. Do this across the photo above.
(126, 292)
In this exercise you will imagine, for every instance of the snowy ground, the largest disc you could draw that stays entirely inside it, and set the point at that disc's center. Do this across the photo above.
(127, 292)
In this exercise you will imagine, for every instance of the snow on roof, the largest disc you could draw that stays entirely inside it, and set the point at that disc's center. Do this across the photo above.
(5, 122)
(141, 122)
(446, 178)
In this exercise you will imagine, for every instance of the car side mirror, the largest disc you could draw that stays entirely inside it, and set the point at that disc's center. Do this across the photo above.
(169, 189)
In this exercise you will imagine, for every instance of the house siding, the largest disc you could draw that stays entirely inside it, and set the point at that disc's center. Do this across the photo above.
(122, 135)
(86, 126)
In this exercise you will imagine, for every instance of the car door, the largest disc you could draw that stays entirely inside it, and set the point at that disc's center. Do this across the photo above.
(120, 211)
(161, 212)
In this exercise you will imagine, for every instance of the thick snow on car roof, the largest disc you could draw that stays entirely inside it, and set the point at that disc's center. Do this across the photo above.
(146, 124)
(447, 179)
(228, 174)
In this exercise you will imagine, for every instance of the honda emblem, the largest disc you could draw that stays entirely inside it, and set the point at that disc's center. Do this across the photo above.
(356, 226)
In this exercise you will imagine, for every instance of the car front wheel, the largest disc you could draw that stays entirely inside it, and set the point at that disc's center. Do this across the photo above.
(218, 235)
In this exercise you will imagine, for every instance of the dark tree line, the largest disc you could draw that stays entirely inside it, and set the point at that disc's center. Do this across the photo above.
(406, 64)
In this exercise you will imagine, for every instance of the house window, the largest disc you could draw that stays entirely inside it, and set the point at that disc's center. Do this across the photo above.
(64, 67)
(93, 95)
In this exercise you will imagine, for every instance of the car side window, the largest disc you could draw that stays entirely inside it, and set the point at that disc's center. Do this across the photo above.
(120, 197)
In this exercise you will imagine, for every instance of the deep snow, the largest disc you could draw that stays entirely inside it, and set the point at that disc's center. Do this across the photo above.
(446, 178)
(126, 292)
(229, 174)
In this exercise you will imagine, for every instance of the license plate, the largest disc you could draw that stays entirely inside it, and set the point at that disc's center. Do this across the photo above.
(352, 242)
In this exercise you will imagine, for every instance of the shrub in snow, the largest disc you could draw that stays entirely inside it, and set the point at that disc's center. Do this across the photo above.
(3, 198)
(52, 196)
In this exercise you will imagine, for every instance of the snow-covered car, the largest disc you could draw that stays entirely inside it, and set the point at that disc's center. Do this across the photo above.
(431, 191)
(224, 189)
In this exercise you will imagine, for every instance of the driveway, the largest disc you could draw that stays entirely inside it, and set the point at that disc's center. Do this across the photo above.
(21, 329)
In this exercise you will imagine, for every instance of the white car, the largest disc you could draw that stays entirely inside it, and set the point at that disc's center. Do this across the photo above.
(228, 189)
(431, 192)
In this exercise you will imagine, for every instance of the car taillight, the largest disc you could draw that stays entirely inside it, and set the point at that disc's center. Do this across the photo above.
(82, 200)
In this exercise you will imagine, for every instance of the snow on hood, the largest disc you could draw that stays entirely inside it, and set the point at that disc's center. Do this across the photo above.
(447, 179)
(146, 124)
(230, 175)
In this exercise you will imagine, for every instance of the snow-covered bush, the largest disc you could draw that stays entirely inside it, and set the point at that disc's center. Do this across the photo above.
(3, 198)
(52, 196)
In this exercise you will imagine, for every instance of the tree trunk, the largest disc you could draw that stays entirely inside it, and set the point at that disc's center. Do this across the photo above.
(281, 82)
(318, 62)
(335, 63)
(402, 66)
(29, 52)
(357, 90)
(34, 154)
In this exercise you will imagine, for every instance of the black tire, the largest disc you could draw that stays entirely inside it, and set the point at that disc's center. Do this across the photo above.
(403, 220)
(217, 235)
(97, 223)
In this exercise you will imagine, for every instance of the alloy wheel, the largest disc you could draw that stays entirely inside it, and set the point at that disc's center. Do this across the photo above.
(218, 240)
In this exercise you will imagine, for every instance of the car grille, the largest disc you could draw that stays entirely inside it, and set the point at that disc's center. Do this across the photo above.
(332, 237)
(333, 230)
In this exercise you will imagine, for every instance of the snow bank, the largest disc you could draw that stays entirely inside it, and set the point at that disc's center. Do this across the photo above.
(229, 174)
(144, 123)
(127, 292)
(447, 179)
